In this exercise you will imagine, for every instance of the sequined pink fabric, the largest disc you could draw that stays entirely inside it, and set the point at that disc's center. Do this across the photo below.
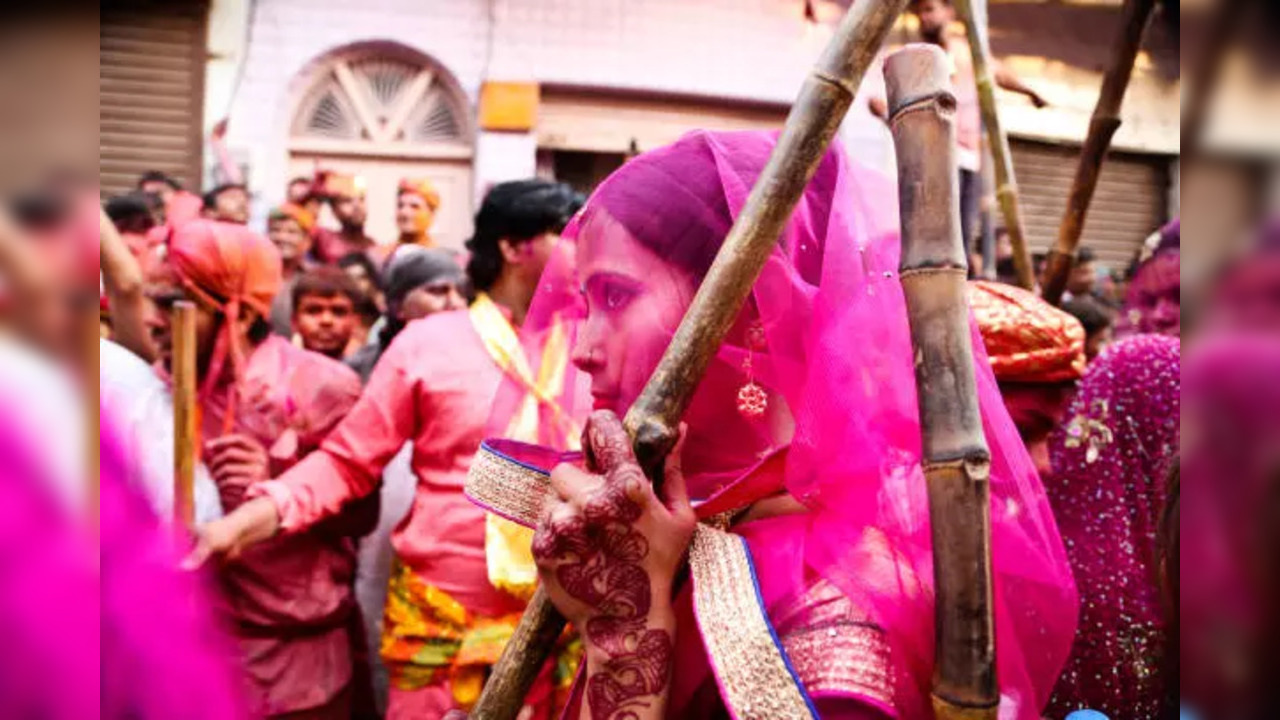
(1110, 461)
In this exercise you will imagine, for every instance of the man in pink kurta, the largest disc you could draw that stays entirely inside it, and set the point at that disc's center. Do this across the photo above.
(264, 405)
(435, 386)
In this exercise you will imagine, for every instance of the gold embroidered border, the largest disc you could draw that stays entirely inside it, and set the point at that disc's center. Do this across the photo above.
(753, 674)
(507, 487)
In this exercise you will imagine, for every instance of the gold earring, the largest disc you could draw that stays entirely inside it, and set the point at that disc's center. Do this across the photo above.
(752, 399)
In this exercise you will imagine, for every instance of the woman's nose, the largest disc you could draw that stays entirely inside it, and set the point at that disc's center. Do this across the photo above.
(586, 355)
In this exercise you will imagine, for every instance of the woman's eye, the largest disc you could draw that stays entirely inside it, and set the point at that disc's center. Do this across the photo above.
(616, 297)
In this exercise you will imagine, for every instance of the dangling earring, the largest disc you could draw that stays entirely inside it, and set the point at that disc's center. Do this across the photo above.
(752, 399)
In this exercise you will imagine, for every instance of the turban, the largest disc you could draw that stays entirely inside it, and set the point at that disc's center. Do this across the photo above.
(296, 213)
(342, 185)
(422, 188)
(1028, 340)
(227, 267)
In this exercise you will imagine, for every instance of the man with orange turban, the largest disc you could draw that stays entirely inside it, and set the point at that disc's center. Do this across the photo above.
(265, 404)
(1037, 355)
(417, 201)
(346, 197)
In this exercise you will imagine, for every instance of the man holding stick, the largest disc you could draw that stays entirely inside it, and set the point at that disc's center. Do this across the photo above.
(460, 579)
(937, 27)
(264, 405)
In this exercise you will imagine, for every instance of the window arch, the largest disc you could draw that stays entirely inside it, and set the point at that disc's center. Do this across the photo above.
(382, 99)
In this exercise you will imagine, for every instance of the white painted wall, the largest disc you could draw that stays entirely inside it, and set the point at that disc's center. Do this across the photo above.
(226, 45)
(739, 49)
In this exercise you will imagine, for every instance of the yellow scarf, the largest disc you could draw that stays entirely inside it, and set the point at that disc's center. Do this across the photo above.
(506, 544)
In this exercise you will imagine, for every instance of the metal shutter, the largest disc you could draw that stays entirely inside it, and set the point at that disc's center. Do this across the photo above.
(1128, 205)
(152, 90)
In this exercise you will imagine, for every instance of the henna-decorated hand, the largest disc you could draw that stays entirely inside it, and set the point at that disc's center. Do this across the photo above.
(608, 550)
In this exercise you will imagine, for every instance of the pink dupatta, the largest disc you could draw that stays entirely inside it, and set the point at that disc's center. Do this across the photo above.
(835, 603)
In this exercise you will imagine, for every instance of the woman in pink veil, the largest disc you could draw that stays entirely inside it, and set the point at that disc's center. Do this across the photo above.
(810, 587)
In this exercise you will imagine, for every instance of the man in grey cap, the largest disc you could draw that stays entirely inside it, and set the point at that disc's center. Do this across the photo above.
(417, 282)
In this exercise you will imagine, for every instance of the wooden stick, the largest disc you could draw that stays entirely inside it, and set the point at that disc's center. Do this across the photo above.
(1102, 127)
(185, 428)
(1006, 183)
(653, 420)
(956, 461)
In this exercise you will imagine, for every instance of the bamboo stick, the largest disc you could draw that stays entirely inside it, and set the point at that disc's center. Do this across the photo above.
(1102, 127)
(185, 428)
(955, 456)
(1002, 158)
(653, 420)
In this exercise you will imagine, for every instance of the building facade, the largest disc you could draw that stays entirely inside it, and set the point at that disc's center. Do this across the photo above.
(472, 92)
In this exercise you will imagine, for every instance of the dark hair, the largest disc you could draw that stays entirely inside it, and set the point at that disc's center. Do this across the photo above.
(516, 211)
(1085, 255)
(260, 330)
(157, 176)
(132, 212)
(361, 259)
(1091, 313)
(326, 282)
(210, 198)
(914, 5)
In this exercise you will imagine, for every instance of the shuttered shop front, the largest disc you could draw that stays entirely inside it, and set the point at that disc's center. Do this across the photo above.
(1128, 205)
(152, 87)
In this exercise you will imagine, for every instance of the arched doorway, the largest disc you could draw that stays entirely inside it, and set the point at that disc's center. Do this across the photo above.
(385, 112)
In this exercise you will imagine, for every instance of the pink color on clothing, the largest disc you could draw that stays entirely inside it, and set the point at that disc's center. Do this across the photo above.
(837, 354)
(964, 86)
(106, 627)
(1110, 467)
(434, 386)
(331, 245)
(291, 596)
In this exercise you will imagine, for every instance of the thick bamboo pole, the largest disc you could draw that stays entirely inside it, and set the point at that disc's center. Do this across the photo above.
(955, 456)
(1102, 127)
(185, 416)
(653, 420)
(1002, 158)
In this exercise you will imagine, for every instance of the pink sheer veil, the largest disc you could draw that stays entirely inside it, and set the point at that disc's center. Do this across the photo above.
(836, 354)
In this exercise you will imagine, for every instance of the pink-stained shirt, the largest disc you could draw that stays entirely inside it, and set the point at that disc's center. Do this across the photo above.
(434, 386)
(332, 245)
(291, 597)
(964, 85)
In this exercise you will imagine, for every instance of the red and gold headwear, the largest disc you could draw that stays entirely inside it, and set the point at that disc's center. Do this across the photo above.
(423, 188)
(1027, 339)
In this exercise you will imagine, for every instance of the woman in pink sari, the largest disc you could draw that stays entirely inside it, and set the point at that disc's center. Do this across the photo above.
(1111, 461)
(797, 489)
